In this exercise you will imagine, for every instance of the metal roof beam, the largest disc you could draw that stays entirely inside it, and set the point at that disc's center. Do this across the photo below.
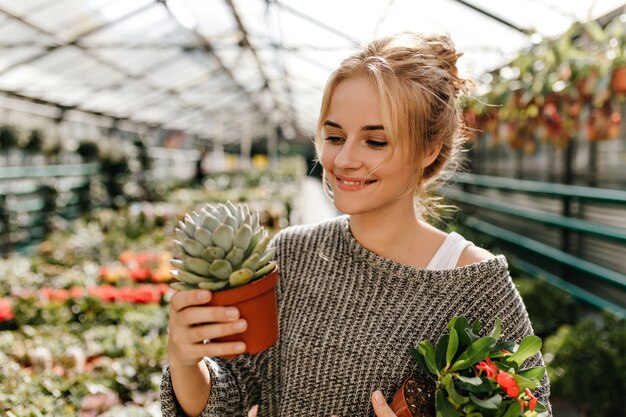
(60, 43)
(208, 48)
(247, 44)
(494, 17)
(317, 23)
(75, 42)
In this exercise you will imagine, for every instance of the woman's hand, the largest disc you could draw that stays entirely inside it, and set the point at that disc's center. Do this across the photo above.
(192, 324)
(381, 408)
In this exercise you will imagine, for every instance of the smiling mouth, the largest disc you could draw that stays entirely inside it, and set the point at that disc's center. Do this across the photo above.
(365, 182)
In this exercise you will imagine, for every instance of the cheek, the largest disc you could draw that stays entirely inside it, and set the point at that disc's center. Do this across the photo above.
(327, 158)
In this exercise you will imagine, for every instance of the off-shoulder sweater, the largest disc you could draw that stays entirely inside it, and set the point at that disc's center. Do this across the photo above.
(347, 318)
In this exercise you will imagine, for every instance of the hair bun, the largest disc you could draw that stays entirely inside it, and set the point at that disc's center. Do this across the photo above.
(444, 48)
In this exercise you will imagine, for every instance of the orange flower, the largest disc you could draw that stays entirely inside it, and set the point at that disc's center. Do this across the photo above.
(489, 367)
(533, 399)
(508, 384)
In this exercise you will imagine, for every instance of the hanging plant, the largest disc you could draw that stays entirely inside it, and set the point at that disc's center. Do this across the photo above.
(34, 142)
(88, 150)
(603, 123)
(8, 138)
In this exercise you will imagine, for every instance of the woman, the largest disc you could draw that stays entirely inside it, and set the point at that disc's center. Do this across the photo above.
(357, 291)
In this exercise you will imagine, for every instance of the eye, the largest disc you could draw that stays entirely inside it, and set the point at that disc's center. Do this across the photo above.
(334, 139)
(377, 143)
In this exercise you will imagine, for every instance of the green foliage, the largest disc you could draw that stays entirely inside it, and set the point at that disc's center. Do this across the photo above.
(8, 138)
(467, 370)
(547, 306)
(34, 142)
(587, 365)
(88, 150)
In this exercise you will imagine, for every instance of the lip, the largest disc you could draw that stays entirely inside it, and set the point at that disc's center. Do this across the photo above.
(339, 180)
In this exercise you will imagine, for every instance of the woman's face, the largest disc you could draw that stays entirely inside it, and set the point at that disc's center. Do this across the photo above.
(365, 172)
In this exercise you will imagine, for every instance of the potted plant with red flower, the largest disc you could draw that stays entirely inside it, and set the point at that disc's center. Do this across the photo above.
(472, 376)
(224, 249)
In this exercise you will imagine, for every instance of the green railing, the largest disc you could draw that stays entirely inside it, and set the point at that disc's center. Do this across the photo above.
(564, 222)
(31, 196)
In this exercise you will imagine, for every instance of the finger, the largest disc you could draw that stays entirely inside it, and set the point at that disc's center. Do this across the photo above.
(253, 411)
(212, 331)
(200, 315)
(183, 299)
(380, 405)
(211, 350)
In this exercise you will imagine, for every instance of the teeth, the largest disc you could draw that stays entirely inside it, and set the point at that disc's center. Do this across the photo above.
(353, 182)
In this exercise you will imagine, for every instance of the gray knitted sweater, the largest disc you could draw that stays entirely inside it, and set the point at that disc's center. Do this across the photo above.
(347, 318)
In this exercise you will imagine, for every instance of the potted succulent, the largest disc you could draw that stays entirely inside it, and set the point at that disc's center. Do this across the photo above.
(468, 375)
(224, 249)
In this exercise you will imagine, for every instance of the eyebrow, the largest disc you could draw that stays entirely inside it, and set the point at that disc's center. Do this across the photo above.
(366, 127)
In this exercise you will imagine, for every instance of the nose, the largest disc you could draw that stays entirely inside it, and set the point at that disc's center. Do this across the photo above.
(348, 157)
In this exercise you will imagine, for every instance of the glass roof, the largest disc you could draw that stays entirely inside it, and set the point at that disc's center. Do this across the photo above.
(232, 65)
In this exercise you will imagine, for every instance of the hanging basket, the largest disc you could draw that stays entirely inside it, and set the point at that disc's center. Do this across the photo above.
(618, 80)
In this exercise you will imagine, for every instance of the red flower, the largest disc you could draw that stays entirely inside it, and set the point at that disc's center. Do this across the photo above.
(508, 384)
(533, 399)
(77, 292)
(140, 274)
(104, 292)
(489, 367)
(6, 312)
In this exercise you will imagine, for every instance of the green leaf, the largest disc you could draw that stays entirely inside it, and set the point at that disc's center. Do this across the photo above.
(475, 380)
(491, 403)
(529, 346)
(524, 383)
(535, 373)
(497, 329)
(419, 359)
(475, 352)
(452, 322)
(460, 325)
(540, 408)
(506, 345)
(443, 406)
(453, 396)
(453, 344)
(425, 348)
(476, 326)
(471, 335)
(514, 410)
(440, 351)
(486, 386)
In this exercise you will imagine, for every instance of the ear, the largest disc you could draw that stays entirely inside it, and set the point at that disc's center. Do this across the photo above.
(432, 155)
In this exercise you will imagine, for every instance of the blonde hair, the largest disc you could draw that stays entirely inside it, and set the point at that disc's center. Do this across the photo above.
(419, 89)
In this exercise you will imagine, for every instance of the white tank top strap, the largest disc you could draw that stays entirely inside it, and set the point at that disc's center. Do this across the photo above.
(448, 254)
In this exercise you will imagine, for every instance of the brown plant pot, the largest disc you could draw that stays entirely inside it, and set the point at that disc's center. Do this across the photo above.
(256, 302)
(618, 80)
(415, 398)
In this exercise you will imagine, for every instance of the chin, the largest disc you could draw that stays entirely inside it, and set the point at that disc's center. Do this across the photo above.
(352, 208)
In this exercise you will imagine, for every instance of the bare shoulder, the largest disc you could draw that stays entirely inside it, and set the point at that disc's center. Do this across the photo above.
(473, 254)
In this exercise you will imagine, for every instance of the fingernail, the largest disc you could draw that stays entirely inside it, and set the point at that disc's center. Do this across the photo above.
(378, 396)
(203, 295)
(231, 312)
(240, 325)
(240, 347)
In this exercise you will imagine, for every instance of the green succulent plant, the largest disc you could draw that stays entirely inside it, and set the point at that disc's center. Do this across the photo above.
(222, 246)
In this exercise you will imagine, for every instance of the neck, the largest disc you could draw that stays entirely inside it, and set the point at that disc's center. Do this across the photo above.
(387, 233)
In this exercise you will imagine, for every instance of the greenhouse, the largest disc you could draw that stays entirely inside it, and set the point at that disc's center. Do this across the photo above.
(421, 200)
